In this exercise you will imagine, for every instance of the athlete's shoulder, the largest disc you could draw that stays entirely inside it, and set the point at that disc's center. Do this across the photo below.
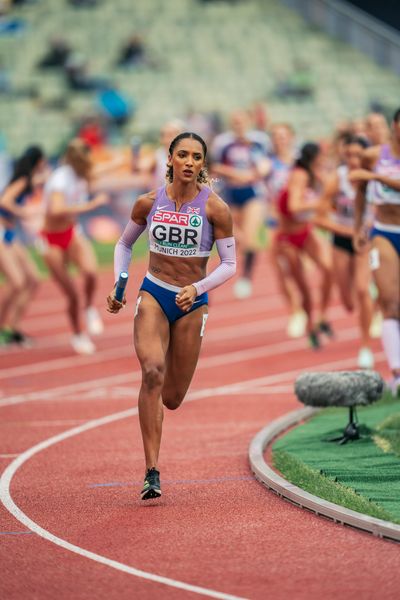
(216, 207)
(143, 205)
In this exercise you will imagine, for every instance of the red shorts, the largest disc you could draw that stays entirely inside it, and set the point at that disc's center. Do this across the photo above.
(297, 239)
(62, 239)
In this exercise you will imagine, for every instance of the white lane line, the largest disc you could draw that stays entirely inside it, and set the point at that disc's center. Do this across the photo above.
(8, 474)
(241, 331)
(218, 334)
(10, 471)
(5, 497)
(212, 361)
(49, 423)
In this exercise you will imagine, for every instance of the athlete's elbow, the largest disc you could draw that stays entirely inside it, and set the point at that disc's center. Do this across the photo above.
(231, 269)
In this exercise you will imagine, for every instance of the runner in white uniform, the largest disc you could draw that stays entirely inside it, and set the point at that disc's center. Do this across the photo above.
(351, 270)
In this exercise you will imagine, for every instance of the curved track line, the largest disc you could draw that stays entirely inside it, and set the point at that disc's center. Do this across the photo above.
(5, 497)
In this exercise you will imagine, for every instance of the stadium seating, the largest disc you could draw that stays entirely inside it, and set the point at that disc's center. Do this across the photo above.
(212, 56)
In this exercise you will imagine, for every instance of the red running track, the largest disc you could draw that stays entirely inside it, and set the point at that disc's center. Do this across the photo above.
(216, 532)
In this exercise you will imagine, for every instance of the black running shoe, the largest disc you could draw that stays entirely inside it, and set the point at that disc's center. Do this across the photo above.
(314, 340)
(151, 486)
(326, 328)
(20, 338)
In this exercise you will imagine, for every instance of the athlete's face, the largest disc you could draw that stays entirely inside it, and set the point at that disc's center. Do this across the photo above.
(282, 138)
(240, 123)
(187, 160)
(352, 156)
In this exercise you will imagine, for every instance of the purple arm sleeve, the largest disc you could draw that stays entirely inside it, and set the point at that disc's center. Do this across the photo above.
(225, 270)
(123, 248)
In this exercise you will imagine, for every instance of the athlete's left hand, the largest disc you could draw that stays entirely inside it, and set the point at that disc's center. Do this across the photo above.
(186, 297)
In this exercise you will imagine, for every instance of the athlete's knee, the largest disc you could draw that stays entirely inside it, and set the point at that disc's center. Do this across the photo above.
(362, 292)
(153, 375)
(348, 304)
(73, 299)
(17, 286)
(33, 283)
(390, 308)
(172, 400)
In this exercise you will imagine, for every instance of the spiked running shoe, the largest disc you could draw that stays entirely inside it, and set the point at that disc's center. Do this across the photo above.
(326, 328)
(313, 340)
(151, 486)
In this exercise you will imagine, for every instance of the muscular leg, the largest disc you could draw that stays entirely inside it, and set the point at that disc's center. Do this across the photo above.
(151, 339)
(387, 278)
(281, 268)
(252, 219)
(343, 267)
(182, 356)
(82, 255)
(365, 304)
(55, 260)
(31, 284)
(318, 251)
(298, 275)
(15, 281)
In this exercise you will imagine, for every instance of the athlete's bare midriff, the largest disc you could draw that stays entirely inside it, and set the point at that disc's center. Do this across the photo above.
(388, 214)
(178, 271)
(55, 224)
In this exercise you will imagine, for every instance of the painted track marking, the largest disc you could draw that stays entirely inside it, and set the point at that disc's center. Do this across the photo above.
(206, 362)
(5, 496)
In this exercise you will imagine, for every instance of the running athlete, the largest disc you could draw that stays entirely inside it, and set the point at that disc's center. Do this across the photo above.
(297, 204)
(351, 269)
(282, 157)
(66, 197)
(241, 160)
(382, 168)
(183, 219)
(19, 270)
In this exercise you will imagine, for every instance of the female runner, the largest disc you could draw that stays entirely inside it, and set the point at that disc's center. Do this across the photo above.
(66, 195)
(382, 168)
(297, 204)
(183, 219)
(243, 163)
(20, 271)
(351, 269)
(282, 158)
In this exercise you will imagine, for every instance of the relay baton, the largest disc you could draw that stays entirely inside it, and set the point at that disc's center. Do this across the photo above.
(121, 285)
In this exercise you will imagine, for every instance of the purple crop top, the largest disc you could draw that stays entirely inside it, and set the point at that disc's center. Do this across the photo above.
(183, 233)
(389, 166)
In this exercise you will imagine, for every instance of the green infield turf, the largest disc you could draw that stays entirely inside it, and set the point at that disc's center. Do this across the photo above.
(363, 475)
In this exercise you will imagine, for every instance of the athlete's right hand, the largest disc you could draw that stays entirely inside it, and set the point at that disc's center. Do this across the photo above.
(114, 305)
(360, 240)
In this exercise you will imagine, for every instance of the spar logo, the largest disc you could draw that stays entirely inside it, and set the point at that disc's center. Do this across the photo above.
(174, 218)
(195, 221)
(176, 230)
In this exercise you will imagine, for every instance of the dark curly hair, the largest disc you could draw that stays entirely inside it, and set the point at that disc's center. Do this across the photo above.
(203, 175)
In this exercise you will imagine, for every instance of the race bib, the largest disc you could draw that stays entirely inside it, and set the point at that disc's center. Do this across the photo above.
(175, 234)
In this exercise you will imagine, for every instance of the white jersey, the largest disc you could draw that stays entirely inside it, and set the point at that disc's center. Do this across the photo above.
(75, 189)
(344, 201)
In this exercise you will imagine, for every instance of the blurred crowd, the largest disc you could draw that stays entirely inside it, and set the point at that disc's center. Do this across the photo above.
(252, 162)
